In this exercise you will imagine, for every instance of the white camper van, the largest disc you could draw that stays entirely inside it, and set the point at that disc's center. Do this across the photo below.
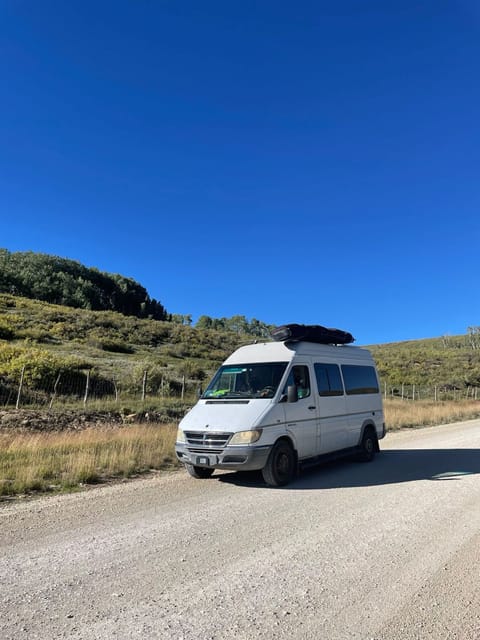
(278, 405)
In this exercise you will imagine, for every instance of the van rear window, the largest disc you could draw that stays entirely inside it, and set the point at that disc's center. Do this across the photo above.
(359, 379)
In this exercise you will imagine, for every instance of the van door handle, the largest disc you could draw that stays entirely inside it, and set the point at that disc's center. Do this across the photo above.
(312, 408)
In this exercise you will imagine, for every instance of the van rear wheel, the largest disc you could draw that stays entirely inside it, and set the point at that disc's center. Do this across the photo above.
(281, 465)
(201, 473)
(368, 446)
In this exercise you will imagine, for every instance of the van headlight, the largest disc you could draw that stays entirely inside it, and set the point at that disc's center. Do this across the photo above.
(246, 437)
(180, 436)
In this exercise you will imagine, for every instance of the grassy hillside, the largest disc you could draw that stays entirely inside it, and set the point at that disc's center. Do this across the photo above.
(62, 281)
(447, 362)
(118, 351)
(49, 339)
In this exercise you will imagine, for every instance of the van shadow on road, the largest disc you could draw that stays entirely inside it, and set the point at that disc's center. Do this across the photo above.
(389, 467)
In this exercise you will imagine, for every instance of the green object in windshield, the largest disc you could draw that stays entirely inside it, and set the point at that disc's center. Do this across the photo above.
(247, 381)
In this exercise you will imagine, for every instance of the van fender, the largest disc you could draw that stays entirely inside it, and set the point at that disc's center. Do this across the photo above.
(289, 438)
(279, 432)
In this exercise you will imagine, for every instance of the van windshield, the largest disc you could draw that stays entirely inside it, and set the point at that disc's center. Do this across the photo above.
(259, 380)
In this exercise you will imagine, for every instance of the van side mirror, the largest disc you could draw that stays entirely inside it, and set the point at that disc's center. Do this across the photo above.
(292, 393)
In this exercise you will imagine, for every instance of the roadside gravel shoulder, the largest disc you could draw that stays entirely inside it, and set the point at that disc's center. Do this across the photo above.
(348, 551)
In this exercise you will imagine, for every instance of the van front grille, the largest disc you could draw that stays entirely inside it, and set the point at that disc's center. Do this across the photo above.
(207, 440)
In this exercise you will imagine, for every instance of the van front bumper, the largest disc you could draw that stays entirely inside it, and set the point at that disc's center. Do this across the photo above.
(236, 458)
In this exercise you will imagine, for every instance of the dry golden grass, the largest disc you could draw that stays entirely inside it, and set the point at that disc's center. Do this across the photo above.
(400, 414)
(57, 461)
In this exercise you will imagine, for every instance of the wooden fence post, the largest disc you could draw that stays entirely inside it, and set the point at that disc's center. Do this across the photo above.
(87, 388)
(54, 394)
(17, 404)
(144, 385)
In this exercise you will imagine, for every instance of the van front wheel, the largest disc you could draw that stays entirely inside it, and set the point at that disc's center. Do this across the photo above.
(201, 473)
(281, 465)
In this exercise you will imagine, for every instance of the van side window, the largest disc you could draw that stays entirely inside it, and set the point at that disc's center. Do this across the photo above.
(299, 376)
(359, 379)
(329, 382)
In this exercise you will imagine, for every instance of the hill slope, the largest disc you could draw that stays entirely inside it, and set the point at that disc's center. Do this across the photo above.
(115, 349)
(123, 353)
(66, 282)
(451, 362)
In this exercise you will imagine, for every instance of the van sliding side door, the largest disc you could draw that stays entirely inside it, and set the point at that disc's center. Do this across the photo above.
(332, 417)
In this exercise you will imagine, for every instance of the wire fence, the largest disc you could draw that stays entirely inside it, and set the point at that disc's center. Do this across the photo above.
(83, 388)
(80, 388)
(436, 393)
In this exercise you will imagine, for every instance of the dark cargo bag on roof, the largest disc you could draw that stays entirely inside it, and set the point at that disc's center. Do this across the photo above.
(311, 333)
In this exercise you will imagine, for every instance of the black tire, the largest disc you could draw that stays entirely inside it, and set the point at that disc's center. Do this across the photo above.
(368, 446)
(200, 473)
(281, 465)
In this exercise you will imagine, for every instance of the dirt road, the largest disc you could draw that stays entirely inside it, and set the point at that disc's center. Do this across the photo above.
(387, 550)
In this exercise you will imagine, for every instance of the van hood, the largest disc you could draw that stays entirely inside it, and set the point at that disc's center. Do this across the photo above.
(223, 415)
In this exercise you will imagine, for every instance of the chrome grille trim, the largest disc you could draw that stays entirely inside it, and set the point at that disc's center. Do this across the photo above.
(207, 440)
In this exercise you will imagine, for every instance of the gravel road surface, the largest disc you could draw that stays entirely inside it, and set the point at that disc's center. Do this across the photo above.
(386, 550)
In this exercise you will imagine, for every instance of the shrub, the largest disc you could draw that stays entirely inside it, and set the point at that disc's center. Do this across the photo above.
(115, 347)
(6, 333)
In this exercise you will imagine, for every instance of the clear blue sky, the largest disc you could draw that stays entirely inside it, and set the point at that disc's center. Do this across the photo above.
(313, 162)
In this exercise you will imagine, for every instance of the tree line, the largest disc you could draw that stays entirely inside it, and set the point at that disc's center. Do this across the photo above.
(237, 324)
(67, 282)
